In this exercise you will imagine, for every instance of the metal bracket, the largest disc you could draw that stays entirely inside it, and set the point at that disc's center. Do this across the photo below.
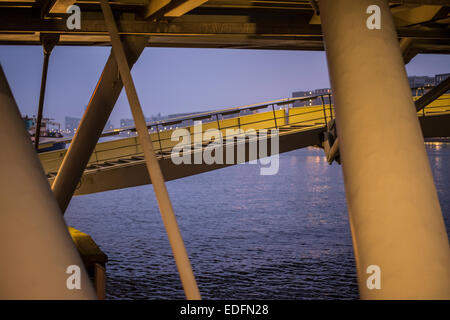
(330, 143)
(315, 6)
(48, 41)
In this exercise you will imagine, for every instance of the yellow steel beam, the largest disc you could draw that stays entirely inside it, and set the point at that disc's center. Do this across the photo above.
(55, 6)
(404, 16)
(170, 8)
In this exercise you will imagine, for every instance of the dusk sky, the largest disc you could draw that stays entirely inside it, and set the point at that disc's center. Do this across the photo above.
(172, 80)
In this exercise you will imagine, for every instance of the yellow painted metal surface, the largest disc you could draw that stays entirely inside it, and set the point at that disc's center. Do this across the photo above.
(126, 147)
(89, 251)
(263, 120)
(438, 106)
(308, 116)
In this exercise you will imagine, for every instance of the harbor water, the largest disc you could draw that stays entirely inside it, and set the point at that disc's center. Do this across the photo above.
(248, 236)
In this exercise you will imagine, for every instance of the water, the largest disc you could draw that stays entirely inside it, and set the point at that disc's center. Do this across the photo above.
(248, 236)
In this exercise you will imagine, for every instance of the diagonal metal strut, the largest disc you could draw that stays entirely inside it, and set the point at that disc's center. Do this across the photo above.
(94, 120)
(48, 43)
(433, 94)
(154, 170)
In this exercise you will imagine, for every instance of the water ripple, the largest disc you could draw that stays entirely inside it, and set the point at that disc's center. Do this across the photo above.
(248, 236)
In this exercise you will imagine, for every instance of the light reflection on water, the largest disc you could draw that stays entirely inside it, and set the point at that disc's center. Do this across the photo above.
(248, 236)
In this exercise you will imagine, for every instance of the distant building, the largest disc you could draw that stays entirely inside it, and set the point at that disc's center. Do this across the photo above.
(126, 123)
(130, 122)
(300, 94)
(421, 84)
(416, 82)
(177, 115)
(313, 101)
(71, 124)
(441, 77)
(325, 92)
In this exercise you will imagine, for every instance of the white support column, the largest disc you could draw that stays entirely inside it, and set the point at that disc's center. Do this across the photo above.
(35, 245)
(395, 217)
(154, 170)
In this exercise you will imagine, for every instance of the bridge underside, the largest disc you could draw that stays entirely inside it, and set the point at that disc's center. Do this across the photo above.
(236, 24)
(135, 174)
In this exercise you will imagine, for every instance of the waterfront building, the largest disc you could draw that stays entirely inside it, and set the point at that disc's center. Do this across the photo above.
(71, 124)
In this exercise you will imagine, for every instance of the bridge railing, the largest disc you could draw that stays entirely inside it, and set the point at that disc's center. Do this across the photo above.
(279, 114)
(439, 106)
(283, 115)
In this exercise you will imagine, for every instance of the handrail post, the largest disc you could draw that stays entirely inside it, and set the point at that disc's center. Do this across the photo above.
(274, 116)
(324, 111)
(96, 156)
(331, 107)
(168, 216)
(217, 119)
(423, 93)
(159, 139)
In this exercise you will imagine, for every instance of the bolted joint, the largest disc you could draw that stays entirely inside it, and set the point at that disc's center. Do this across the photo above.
(330, 143)
(48, 41)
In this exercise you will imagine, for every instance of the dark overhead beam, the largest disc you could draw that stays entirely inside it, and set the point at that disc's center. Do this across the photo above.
(407, 45)
(187, 25)
(55, 6)
(407, 49)
(157, 9)
(181, 26)
(421, 2)
(315, 6)
(239, 4)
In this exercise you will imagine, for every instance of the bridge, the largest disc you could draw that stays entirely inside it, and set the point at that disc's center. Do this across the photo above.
(379, 138)
(120, 163)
